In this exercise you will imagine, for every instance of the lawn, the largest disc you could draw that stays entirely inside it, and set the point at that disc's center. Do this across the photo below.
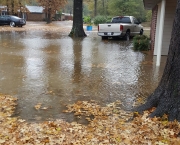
(107, 125)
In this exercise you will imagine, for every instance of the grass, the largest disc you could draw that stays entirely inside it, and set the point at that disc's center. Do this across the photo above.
(147, 33)
(146, 24)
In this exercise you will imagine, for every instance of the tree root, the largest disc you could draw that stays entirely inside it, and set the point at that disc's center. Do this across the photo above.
(165, 103)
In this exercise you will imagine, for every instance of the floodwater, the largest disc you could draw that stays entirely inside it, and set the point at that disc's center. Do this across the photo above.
(55, 70)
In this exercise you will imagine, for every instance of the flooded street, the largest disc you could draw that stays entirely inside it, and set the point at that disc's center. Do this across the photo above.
(49, 68)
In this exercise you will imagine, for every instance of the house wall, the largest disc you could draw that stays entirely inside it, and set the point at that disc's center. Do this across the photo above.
(153, 26)
(168, 24)
(66, 17)
(35, 16)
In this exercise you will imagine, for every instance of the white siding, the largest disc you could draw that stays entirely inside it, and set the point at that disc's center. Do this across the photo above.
(168, 23)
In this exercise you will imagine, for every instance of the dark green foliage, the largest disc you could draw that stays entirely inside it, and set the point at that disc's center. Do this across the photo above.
(101, 19)
(141, 42)
(127, 8)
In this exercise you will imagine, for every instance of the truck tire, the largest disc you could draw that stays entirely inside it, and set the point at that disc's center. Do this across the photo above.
(127, 36)
(141, 32)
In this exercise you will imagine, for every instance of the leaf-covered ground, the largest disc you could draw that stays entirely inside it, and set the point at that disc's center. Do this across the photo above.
(40, 26)
(109, 126)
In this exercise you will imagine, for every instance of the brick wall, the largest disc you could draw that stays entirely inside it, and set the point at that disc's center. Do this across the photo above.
(35, 16)
(153, 26)
(66, 17)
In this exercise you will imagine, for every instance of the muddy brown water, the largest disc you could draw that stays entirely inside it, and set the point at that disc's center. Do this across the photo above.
(50, 68)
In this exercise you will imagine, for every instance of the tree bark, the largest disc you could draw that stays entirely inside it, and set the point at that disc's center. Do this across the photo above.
(12, 5)
(95, 8)
(166, 97)
(49, 16)
(7, 4)
(103, 7)
(77, 29)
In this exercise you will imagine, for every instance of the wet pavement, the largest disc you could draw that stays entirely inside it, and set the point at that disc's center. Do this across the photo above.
(50, 68)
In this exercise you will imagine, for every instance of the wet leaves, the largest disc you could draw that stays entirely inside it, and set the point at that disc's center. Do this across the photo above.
(38, 106)
(110, 125)
(147, 62)
(42, 26)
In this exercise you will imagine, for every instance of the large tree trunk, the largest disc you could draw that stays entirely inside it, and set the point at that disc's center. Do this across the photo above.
(166, 97)
(49, 16)
(77, 29)
(49, 11)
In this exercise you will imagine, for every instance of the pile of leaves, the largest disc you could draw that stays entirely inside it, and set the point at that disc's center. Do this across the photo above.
(109, 125)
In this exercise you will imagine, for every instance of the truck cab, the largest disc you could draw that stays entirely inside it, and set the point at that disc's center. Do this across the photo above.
(120, 26)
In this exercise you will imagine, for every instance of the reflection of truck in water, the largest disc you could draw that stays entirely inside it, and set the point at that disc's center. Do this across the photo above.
(121, 26)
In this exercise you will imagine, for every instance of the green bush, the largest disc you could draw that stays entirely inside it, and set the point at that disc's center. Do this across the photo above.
(141, 42)
(100, 19)
(87, 20)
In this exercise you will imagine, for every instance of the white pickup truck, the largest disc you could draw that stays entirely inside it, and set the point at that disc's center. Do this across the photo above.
(121, 26)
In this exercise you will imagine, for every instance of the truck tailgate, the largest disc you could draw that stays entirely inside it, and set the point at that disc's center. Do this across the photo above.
(109, 27)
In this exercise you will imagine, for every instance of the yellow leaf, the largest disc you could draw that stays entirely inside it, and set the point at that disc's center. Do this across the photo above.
(136, 114)
(118, 139)
(58, 129)
(38, 106)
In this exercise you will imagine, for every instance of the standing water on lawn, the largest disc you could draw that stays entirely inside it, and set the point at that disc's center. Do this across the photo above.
(50, 70)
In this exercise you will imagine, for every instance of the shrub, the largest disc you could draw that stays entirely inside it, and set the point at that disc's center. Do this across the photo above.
(141, 42)
(100, 19)
(87, 20)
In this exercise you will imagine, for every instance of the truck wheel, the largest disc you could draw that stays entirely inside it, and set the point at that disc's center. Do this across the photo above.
(141, 32)
(127, 36)
(104, 37)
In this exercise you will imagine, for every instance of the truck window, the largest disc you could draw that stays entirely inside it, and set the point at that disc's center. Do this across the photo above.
(135, 21)
(121, 20)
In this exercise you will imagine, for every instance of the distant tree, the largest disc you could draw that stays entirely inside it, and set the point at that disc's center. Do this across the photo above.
(95, 8)
(148, 15)
(77, 28)
(166, 97)
(127, 7)
(15, 6)
(51, 6)
(68, 8)
(33, 2)
(85, 10)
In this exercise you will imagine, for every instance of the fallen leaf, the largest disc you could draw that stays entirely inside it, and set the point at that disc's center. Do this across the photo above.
(38, 106)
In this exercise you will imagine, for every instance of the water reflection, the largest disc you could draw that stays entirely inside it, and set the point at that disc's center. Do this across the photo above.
(55, 70)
